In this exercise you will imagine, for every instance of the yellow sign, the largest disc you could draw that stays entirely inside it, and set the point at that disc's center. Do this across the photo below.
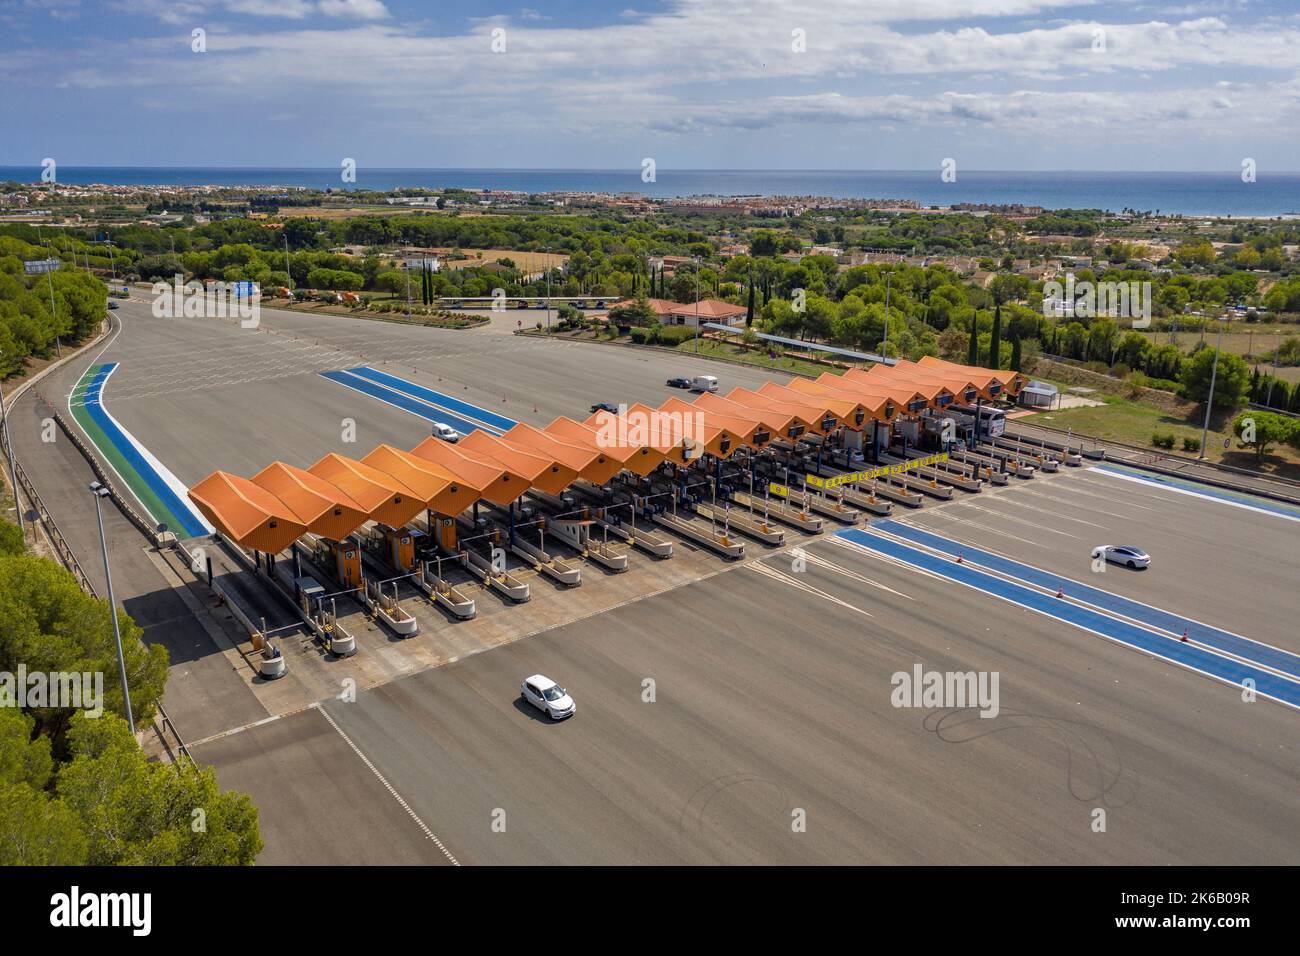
(779, 490)
(871, 474)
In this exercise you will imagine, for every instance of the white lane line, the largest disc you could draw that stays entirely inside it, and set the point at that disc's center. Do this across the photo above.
(1043, 511)
(803, 586)
(387, 786)
(1196, 494)
(862, 578)
(974, 524)
(1006, 517)
(1074, 504)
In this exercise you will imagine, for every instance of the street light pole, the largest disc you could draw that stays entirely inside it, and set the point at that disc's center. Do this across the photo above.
(884, 346)
(99, 491)
(1209, 402)
(697, 305)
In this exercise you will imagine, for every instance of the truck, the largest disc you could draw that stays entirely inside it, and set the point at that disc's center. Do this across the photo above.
(704, 383)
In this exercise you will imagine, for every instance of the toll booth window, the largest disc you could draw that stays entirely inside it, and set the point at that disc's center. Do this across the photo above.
(726, 444)
(828, 424)
(970, 394)
(859, 417)
(889, 409)
(761, 438)
(944, 400)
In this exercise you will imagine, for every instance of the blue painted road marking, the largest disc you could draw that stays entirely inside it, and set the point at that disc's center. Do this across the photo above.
(398, 400)
(1267, 684)
(455, 406)
(1226, 641)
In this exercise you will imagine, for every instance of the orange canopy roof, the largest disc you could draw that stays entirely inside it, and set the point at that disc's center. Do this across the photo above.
(842, 410)
(720, 436)
(737, 430)
(805, 413)
(933, 387)
(327, 509)
(963, 387)
(543, 472)
(875, 405)
(442, 491)
(775, 420)
(642, 424)
(900, 394)
(246, 513)
(1012, 381)
(488, 478)
(589, 462)
(639, 459)
(385, 497)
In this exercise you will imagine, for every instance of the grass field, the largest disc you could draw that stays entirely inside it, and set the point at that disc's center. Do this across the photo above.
(1258, 340)
(1134, 424)
(784, 363)
(524, 261)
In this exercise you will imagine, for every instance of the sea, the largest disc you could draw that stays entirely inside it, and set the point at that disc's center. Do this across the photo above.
(1186, 193)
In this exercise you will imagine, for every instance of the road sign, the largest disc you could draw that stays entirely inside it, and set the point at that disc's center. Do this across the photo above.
(244, 290)
(37, 266)
(780, 491)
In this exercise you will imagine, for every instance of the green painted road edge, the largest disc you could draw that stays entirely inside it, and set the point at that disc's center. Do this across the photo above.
(138, 486)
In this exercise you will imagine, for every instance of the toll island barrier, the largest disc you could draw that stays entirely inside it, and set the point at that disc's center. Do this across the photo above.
(1072, 454)
(616, 511)
(561, 569)
(572, 523)
(754, 526)
(400, 549)
(880, 486)
(343, 560)
(1010, 460)
(949, 471)
(908, 472)
(704, 533)
(492, 571)
(991, 470)
(1045, 460)
(777, 505)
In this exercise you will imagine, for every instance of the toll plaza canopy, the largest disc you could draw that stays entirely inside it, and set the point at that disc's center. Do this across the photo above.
(337, 495)
(247, 513)
(638, 458)
(326, 509)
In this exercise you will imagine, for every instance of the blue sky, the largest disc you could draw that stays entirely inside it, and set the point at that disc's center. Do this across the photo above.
(834, 84)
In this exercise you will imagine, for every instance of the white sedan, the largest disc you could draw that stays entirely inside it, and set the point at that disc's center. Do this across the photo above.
(1124, 554)
(548, 697)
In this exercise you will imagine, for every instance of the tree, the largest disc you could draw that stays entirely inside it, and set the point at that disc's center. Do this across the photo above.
(1231, 381)
(749, 308)
(995, 341)
(973, 358)
(1015, 354)
(11, 539)
(1261, 430)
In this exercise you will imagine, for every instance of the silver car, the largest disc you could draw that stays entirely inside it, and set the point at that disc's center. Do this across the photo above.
(1124, 554)
(548, 697)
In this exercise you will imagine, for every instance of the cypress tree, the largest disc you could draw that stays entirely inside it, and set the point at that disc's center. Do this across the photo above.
(749, 309)
(995, 340)
(973, 356)
(1015, 354)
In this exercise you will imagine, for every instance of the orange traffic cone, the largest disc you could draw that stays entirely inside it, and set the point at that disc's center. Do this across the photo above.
(1184, 635)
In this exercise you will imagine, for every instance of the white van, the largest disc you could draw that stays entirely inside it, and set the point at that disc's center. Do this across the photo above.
(704, 383)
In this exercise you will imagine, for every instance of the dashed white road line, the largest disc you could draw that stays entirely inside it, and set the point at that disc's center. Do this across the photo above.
(387, 786)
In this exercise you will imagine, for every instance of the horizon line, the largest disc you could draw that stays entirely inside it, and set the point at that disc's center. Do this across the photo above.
(632, 170)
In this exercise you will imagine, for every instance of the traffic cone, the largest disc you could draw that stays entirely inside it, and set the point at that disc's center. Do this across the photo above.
(1060, 591)
(1184, 635)
(959, 557)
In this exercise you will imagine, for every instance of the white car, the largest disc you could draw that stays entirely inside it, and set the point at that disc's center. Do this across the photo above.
(548, 697)
(445, 432)
(1124, 554)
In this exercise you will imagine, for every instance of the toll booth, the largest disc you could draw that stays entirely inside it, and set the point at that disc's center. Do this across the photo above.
(344, 559)
(309, 593)
(445, 531)
(401, 546)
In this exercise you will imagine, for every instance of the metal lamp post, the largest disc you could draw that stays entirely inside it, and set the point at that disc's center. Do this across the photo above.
(99, 491)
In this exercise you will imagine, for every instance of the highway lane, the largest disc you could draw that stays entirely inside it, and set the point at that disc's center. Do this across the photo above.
(773, 696)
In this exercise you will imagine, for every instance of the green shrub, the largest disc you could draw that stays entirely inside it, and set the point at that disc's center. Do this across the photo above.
(1191, 444)
(675, 334)
(1162, 441)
